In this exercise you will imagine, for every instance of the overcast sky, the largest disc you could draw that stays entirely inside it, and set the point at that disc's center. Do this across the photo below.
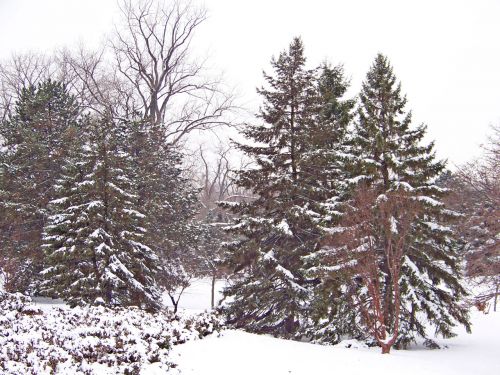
(446, 53)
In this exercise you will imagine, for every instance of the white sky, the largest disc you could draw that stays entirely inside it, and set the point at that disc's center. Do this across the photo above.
(446, 53)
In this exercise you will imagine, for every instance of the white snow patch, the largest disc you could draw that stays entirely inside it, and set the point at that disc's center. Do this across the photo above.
(237, 352)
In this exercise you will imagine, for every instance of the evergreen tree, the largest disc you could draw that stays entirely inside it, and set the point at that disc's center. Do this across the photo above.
(33, 148)
(97, 229)
(170, 201)
(327, 149)
(67, 262)
(326, 165)
(400, 208)
(276, 232)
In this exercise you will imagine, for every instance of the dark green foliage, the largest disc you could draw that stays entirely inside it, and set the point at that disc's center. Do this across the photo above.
(170, 202)
(88, 184)
(35, 143)
(95, 239)
(327, 153)
(298, 155)
(272, 292)
(326, 168)
(392, 162)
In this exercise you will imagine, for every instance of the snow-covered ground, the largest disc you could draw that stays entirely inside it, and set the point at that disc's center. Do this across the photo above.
(236, 352)
(197, 296)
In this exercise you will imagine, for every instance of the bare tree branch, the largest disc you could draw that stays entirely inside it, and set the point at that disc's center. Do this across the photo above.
(152, 51)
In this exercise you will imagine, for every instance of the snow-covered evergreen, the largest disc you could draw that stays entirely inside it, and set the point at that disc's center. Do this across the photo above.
(170, 201)
(395, 168)
(101, 236)
(298, 152)
(33, 147)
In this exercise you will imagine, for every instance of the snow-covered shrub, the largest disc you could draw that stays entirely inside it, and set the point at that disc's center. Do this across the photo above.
(91, 340)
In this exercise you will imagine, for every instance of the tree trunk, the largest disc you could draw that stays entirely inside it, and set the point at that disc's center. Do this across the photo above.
(496, 297)
(212, 301)
(174, 302)
(386, 349)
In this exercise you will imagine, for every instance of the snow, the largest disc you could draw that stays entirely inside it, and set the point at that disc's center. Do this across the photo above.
(356, 179)
(284, 227)
(237, 352)
(437, 227)
(403, 185)
(91, 340)
(394, 225)
(430, 201)
(335, 268)
(2, 280)
(196, 297)
(134, 213)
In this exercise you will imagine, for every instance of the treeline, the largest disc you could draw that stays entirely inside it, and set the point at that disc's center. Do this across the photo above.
(97, 204)
(344, 224)
(94, 209)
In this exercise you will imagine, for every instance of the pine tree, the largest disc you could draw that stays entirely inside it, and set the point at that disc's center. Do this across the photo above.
(326, 166)
(170, 201)
(326, 153)
(33, 147)
(97, 230)
(406, 253)
(67, 263)
(272, 293)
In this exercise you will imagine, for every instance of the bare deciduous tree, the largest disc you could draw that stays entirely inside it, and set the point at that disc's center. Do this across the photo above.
(18, 72)
(98, 86)
(477, 186)
(153, 53)
(217, 184)
(147, 70)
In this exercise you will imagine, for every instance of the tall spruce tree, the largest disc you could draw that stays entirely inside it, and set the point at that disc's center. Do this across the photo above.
(272, 293)
(32, 151)
(326, 168)
(327, 149)
(170, 201)
(394, 168)
(68, 262)
(97, 229)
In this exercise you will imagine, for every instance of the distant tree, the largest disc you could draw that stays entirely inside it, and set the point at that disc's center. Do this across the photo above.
(19, 72)
(477, 197)
(217, 185)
